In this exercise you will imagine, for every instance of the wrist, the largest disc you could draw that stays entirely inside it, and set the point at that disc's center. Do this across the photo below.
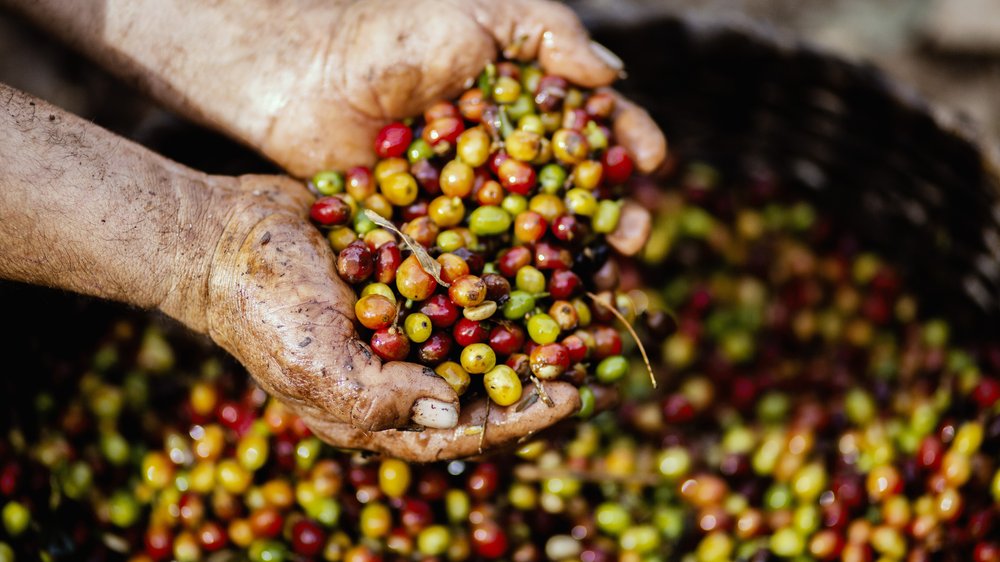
(205, 206)
(229, 216)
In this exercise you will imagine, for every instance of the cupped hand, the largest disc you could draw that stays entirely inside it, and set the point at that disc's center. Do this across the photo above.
(275, 302)
(351, 67)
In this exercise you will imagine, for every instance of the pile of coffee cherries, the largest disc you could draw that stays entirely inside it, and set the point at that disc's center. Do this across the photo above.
(472, 241)
(807, 410)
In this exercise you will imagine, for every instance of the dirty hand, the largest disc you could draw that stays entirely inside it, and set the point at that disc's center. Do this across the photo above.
(310, 83)
(276, 303)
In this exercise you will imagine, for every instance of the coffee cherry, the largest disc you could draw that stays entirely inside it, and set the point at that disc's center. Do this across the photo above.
(588, 174)
(550, 256)
(549, 361)
(490, 193)
(428, 176)
(506, 338)
(568, 229)
(569, 146)
(387, 260)
(467, 332)
(529, 227)
(454, 375)
(471, 105)
(530, 280)
(443, 130)
(441, 311)
(576, 348)
(467, 291)
(564, 313)
(388, 167)
(502, 385)
(550, 92)
(418, 327)
(474, 147)
(512, 260)
(393, 140)
(375, 312)
(564, 284)
(355, 263)
(518, 305)
(400, 189)
(456, 179)
(549, 206)
(307, 538)
(607, 342)
(617, 165)
(412, 281)
(446, 211)
(390, 344)
(489, 221)
(435, 349)
(360, 183)
(516, 176)
(605, 220)
(523, 145)
(452, 267)
(611, 369)
(330, 211)
(497, 288)
(478, 358)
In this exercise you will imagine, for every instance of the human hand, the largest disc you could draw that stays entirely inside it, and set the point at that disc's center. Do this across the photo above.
(273, 299)
(375, 63)
(310, 83)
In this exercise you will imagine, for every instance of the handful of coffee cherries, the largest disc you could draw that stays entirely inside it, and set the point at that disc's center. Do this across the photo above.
(475, 243)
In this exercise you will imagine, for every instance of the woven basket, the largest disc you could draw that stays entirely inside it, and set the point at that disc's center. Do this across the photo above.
(913, 183)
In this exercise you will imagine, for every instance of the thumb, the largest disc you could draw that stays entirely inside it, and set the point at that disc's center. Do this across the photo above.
(552, 34)
(399, 394)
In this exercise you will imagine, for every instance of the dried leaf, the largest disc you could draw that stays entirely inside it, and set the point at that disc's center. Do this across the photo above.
(642, 349)
(429, 264)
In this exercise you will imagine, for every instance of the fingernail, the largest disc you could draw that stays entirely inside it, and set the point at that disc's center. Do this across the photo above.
(633, 230)
(429, 412)
(606, 56)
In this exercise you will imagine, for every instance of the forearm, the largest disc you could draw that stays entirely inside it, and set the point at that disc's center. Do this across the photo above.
(191, 56)
(86, 211)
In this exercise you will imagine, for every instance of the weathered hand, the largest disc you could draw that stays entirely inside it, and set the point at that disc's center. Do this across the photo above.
(275, 302)
(309, 83)
(374, 61)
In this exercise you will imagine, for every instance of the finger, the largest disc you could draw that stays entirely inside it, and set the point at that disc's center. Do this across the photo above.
(633, 229)
(474, 434)
(405, 393)
(638, 133)
(551, 33)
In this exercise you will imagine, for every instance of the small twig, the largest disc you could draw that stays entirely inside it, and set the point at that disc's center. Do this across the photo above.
(486, 422)
(642, 349)
(541, 392)
(528, 401)
(429, 264)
